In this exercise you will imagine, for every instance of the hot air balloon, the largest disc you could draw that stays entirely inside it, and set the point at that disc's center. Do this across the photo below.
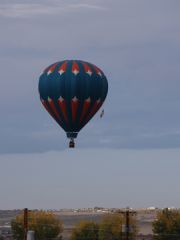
(72, 91)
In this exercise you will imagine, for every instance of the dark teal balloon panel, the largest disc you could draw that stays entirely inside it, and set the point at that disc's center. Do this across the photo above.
(72, 91)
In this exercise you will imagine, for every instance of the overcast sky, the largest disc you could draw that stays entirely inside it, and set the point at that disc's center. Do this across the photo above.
(89, 178)
(137, 45)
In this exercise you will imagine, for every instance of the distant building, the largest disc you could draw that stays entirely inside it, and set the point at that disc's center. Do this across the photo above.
(151, 208)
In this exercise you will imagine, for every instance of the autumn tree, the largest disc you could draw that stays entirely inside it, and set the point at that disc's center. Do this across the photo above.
(167, 225)
(112, 227)
(45, 225)
(109, 228)
(85, 230)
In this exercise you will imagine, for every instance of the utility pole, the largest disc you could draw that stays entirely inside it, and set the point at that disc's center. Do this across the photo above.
(25, 223)
(127, 224)
(127, 214)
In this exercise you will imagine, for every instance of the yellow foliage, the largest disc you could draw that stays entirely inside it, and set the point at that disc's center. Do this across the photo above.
(45, 225)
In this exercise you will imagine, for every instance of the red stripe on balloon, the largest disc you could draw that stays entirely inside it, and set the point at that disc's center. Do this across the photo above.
(74, 107)
(63, 67)
(94, 109)
(53, 108)
(46, 106)
(98, 71)
(51, 68)
(85, 109)
(62, 105)
(87, 69)
(75, 68)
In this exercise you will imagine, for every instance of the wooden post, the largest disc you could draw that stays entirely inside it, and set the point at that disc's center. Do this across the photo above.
(25, 223)
(127, 224)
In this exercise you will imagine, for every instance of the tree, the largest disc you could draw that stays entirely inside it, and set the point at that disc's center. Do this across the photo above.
(46, 225)
(85, 230)
(167, 225)
(110, 228)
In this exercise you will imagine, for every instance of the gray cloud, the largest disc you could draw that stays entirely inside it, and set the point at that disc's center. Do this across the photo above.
(26, 10)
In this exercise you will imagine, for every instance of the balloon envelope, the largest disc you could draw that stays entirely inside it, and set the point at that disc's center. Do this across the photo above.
(72, 91)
